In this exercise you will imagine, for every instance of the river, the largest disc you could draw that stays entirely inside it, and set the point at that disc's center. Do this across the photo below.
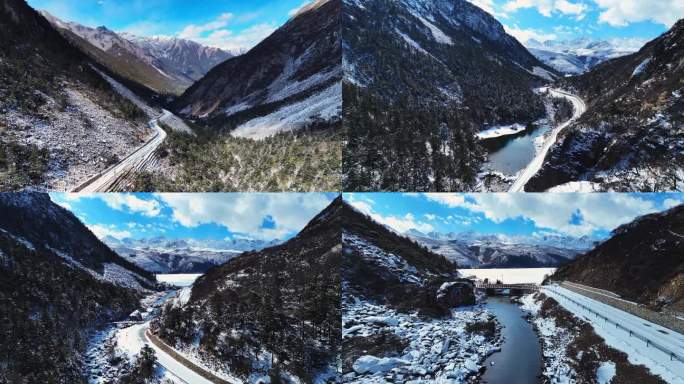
(520, 358)
(510, 154)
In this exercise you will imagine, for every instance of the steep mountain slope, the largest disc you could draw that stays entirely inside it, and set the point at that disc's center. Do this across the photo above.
(421, 78)
(290, 80)
(161, 255)
(166, 65)
(642, 261)
(274, 312)
(59, 283)
(581, 54)
(494, 252)
(60, 122)
(387, 268)
(632, 135)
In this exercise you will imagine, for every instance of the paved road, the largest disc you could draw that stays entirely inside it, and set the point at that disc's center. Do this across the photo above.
(137, 161)
(641, 329)
(133, 338)
(535, 165)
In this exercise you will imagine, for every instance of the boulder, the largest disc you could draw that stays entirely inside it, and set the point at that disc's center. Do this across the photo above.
(455, 294)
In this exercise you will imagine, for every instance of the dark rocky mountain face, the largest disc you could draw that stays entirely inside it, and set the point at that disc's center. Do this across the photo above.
(631, 137)
(421, 78)
(643, 261)
(384, 267)
(36, 219)
(283, 300)
(52, 291)
(294, 71)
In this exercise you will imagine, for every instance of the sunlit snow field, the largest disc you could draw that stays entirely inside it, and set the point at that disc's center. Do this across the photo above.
(179, 279)
(510, 275)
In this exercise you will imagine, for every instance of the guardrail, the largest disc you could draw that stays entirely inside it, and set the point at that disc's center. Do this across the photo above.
(664, 320)
(673, 355)
(180, 358)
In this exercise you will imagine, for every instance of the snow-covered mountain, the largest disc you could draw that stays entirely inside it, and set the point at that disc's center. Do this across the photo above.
(162, 255)
(273, 313)
(631, 137)
(290, 80)
(449, 69)
(581, 54)
(164, 64)
(476, 250)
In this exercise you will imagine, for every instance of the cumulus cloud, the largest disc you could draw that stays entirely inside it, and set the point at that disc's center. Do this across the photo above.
(548, 7)
(574, 214)
(400, 224)
(102, 231)
(622, 12)
(245, 212)
(672, 202)
(131, 203)
(525, 34)
(216, 33)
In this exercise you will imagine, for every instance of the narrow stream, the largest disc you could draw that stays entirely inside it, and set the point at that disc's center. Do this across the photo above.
(520, 359)
(509, 154)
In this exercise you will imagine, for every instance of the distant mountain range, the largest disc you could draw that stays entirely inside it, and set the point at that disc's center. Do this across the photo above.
(164, 64)
(580, 55)
(162, 255)
(476, 250)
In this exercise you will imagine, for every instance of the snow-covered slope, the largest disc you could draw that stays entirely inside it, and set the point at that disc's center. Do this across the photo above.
(42, 226)
(449, 70)
(161, 255)
(582, 54)
(473, 250)
(631, 137)
(288, 81)
(164, 64)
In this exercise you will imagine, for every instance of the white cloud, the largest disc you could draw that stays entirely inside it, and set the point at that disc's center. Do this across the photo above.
(131, 203)
(400, 224)
(294, 11)
(523, 35)
(489, 7)
(217, 34)
(671, 202)
(548, 7)
(622, 12)
(102, 231)
(430, 216)
(193, 31)
(245, 212)
(555, 210)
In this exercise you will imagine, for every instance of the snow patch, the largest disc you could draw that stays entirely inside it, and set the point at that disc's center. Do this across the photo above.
(500, 130)
(605, 372)
(641, 67)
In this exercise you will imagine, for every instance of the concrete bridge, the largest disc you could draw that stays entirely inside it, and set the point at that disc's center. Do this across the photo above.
(506, 289)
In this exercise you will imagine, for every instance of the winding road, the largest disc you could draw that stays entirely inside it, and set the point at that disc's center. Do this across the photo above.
(137, 161)
(579, 107)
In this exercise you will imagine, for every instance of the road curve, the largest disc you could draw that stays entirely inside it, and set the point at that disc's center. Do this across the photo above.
(535, 165)
(137, 161)
(132, 339)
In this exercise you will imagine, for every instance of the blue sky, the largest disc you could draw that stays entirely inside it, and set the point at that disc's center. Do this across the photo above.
(228, 24)
(513, 214)
(199, 216)
(598, 19)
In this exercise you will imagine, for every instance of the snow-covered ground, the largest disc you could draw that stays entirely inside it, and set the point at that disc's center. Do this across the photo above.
(179, 279)
(510, 275)
(500, 130)
(627, 332)
(576, 186)
(325, 105)
(439, 350)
